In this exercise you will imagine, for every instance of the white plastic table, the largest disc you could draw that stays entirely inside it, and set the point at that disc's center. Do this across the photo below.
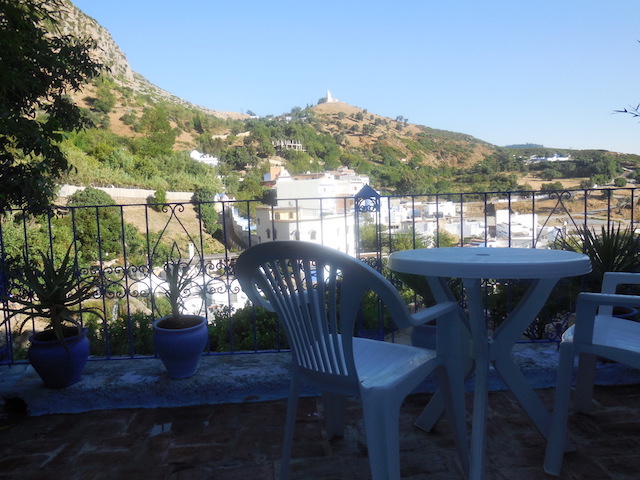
(543, 267)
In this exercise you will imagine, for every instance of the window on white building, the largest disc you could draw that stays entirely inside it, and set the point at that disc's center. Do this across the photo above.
(312, 235)
(268, 233)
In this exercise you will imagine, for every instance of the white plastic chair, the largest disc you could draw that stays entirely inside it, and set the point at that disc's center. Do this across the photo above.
(596, 333)
(316, 293)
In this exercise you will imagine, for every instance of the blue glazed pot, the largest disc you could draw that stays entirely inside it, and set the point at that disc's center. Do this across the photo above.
(628, 313)
(180, 343)
(58, 366)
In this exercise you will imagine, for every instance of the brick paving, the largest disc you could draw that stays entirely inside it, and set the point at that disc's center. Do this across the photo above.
(242, 440)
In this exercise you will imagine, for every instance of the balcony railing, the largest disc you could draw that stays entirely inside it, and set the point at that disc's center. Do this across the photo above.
(127, 246)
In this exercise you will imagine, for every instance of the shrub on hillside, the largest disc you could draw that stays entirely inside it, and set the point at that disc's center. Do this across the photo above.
(157, 200)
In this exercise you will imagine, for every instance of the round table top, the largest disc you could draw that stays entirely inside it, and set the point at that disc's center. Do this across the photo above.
(507, 263)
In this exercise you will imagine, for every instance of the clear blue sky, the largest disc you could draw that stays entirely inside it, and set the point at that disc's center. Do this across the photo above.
(550, 72)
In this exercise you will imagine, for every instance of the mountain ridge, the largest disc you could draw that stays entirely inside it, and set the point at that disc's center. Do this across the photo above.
(81, 25)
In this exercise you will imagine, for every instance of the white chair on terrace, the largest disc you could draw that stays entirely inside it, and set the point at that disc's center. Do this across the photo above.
(316, 293)
(596, 333)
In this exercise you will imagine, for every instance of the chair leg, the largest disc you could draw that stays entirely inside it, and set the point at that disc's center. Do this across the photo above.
(434, 410)
(381, 422)
(334, 413)
(558, 432)
(289, 427)
(432, 413)
(584, 382)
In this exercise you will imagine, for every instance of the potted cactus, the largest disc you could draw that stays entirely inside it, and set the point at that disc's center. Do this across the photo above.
(179, 338)
(56, 295)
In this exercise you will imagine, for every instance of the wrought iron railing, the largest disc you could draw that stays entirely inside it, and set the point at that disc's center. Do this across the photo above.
(127, 246)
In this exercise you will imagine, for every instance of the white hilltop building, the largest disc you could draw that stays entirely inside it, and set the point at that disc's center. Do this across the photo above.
(330, 98)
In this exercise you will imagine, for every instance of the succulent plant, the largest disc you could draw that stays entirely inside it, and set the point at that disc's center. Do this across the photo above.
(52, 293)
(612, 249)
(180, 277)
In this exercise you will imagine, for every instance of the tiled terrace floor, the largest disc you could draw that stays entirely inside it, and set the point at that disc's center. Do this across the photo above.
(242, 441)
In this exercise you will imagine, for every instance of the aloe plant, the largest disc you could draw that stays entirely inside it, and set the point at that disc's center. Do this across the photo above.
(179, 278)
(53, 293)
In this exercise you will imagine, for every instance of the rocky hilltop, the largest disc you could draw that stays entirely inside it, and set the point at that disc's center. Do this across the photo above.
(77, 23)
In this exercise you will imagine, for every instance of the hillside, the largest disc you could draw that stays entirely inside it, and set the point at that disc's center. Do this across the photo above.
(364, 130)
(135, 86)
(143, 135)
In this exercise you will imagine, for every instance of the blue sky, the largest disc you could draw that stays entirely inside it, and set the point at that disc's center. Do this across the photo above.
(550, 72)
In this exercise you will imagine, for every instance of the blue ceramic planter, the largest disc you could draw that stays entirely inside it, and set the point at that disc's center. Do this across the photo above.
(180, 344)
(628, 313)
(58, 366)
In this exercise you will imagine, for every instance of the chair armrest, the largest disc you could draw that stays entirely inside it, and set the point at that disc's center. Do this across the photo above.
(610, 282)
(587, 309)
(431, 313)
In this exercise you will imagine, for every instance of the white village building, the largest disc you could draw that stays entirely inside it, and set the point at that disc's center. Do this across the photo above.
(206, 159)
(315, 207)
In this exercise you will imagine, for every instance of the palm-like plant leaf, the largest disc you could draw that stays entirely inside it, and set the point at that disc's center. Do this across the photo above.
(614, 249)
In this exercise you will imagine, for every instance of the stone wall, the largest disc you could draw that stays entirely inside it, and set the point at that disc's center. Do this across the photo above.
(127, 195)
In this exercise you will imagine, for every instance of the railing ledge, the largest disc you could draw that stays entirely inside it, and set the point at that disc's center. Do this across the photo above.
(221, 379)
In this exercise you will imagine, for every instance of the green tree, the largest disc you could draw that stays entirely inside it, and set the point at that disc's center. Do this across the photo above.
(586, 184)
(40, 66)
(159, 135)
(157, 200)
(551, 174)
(202, 199)
(98, 229)
(444, 239)
(105, 99)
(620, 182)
(369, 238)
(547, 187)
(369, 129)
(251, 186)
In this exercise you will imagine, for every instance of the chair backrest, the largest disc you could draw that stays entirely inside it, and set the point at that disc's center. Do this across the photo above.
(610, 283)
(316, 293)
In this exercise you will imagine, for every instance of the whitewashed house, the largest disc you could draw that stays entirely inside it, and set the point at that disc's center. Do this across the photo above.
(286, 223)
(206, 159)
(516, 224)
(315, 207)
(441, 209)
(320, 191)
(469, 228)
